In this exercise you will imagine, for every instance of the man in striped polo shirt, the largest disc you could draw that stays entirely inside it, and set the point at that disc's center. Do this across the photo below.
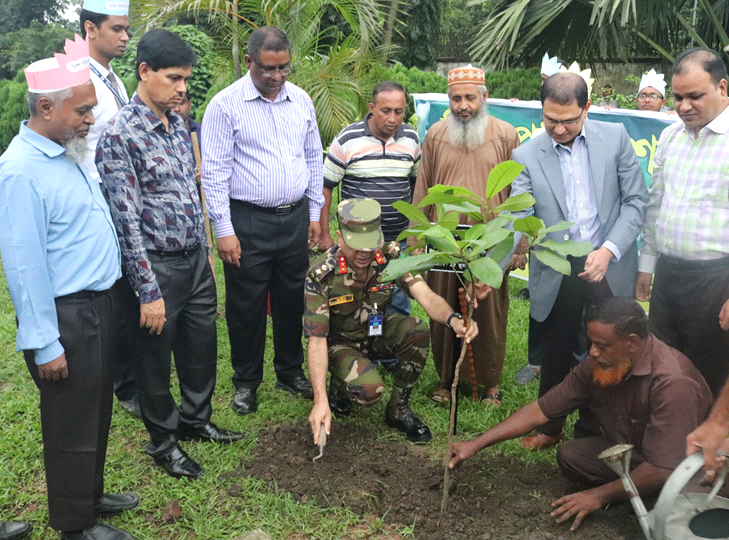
(375, 158)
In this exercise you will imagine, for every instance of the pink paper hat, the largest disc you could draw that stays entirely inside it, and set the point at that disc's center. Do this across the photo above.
(61, 72)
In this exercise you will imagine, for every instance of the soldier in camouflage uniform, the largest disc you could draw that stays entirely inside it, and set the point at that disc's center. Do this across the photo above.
(347, 327)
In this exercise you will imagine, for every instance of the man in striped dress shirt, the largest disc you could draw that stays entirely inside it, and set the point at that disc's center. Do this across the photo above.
(685, 237)
(375, 158)
(262, 176)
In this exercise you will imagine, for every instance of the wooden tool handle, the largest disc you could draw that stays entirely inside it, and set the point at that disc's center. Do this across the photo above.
(322, 437)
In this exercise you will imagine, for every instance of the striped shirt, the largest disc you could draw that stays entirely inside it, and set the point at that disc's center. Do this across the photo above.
(688, 215)
(264, 152)
(369, 167)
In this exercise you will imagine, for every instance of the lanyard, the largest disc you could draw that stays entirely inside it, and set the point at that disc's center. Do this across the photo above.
(108, 85)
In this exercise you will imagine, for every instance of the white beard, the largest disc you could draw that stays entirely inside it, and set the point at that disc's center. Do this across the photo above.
(76, 149)
(471, 134)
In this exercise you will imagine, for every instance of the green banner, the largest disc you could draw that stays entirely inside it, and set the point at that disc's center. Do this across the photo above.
(644, 128)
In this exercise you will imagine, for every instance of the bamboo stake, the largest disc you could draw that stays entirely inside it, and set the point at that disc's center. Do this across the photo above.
(469, 348)
(198, 163)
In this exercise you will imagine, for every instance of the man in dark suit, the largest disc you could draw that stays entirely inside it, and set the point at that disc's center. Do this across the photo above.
(585, 172)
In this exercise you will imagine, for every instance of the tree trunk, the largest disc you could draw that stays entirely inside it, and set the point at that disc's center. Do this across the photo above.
(236, 45)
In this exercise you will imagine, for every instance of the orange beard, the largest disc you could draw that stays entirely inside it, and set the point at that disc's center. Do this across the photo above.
(612, 376)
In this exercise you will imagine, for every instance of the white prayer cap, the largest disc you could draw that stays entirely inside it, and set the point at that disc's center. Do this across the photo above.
(550, 66)
(654, 80)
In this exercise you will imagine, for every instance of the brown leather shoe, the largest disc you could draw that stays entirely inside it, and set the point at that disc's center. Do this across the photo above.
(540, 440)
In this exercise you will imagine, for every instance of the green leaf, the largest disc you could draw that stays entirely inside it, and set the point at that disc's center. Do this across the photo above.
(450, 220)
(488, 240)
(501, 176)
(568, 247)
(412, 212)
(413, 231)
(416, 264)
(435, 197)
(464, 207)
(516, 203)
(498, 222)
(487, 271)
(559, 226)
(474, 232)
(529, 225)
(441, 239)
(453, 190)
(502, 249)
(553, 260)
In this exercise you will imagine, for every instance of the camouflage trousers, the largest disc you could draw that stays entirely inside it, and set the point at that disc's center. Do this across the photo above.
(406, 338)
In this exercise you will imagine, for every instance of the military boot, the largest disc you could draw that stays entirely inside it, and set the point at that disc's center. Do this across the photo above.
(339, 403)
(399, 415)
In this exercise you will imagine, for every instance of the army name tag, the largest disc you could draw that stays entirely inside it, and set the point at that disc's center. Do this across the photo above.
(341, 299)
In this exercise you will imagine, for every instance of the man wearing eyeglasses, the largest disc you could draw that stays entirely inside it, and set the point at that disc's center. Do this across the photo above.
(262, 175)
(651, 92)
(584, 172)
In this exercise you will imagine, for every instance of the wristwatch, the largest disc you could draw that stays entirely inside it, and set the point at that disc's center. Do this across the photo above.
(450, 318)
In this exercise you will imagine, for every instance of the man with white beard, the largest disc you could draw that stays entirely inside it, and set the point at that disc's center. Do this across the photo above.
(460, 151)
(61, 257)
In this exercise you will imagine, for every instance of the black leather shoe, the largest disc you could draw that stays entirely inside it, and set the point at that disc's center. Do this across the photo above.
(177, 463)
(398, 415)
(111, 504)
(209, 432)
(339, 404)
(12, 530)
(298, 386)
(100, 531)
(244, 401)
(132, 406)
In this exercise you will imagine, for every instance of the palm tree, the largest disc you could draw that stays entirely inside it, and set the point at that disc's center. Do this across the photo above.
(331, 64)
(593, 29)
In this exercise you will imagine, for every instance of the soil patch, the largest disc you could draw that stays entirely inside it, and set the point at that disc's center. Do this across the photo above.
(493, 497)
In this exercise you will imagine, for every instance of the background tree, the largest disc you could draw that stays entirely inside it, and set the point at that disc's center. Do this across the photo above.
(523, 30)
(331, 62)
(21, 47)
(17, 14)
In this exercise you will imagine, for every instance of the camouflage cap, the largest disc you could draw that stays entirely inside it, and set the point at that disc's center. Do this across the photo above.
(359, 222)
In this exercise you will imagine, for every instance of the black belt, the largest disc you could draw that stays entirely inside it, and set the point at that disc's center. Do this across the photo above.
(682, 264)
(282, 210)
(179, 253)
(83, 295)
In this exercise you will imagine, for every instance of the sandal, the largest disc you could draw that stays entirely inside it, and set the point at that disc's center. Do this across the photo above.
(493, 399)
(441, 395)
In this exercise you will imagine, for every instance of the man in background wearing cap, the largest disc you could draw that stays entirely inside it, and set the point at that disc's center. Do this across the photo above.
(686, 234)
(460, 151)
(105, 25)
(651, 92)
(61, 259)
(347, 325)
(585, 172)
(148, 173)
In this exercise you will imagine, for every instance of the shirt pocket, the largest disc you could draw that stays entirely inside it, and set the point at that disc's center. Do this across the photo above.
(294, 128)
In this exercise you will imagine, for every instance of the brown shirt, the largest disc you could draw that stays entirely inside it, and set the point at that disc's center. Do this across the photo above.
(442, 163)
(661, 401)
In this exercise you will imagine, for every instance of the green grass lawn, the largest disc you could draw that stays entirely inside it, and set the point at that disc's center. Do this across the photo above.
(209, 511)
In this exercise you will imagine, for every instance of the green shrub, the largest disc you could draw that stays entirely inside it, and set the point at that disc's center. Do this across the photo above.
(414, 80)
(524, 84)
(13, 108)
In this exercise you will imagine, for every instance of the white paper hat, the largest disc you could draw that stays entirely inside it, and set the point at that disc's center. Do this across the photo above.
(107, 7)
(654, 80)
(585, 74)
(62, 71)
(550, 66)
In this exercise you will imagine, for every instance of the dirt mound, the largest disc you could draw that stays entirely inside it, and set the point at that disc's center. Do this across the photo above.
(493, 497)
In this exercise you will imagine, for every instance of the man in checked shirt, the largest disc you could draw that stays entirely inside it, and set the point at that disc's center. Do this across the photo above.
(686, 233)
(146, 166)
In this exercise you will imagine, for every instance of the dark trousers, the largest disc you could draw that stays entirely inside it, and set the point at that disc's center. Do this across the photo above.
(577, 459)
(560, 334)
(686, 300)
(76, 411)
(121, 363)
(274, 259)
(188, 290)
